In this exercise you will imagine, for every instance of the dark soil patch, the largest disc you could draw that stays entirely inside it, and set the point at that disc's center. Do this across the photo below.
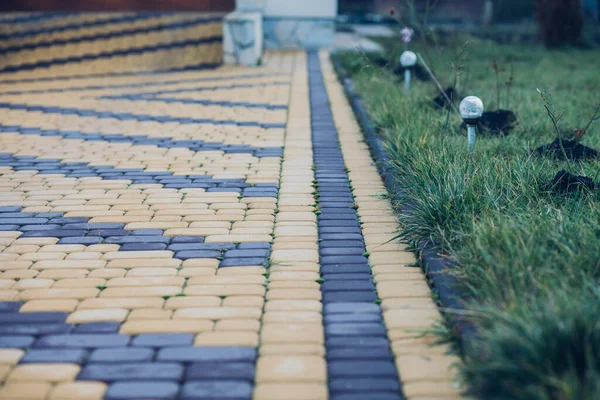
(498, 122)
(572, 149)
(566, 183)
(440, 101)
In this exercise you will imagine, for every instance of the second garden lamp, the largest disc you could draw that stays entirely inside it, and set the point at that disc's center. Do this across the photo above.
(471, 109)
(408, 59)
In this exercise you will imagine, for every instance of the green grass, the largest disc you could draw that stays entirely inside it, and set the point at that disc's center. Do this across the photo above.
(529, 260)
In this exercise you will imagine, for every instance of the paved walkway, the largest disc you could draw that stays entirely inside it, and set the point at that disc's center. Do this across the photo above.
(197, 234)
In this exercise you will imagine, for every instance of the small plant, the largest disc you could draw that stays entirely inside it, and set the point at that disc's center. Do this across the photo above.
(551, 111)
(578, 133)
(497, 71)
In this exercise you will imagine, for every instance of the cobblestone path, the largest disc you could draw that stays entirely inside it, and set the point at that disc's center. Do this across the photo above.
(170, 231)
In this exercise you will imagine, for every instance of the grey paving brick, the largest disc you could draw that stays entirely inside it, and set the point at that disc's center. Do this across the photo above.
(82, 341)
(34, 329)
(121, 355)
(98, 327)
(163, 340)
(216, 390)
(142, 390)
(18, 341)
(220, 371)
(75, 356)
(206, 354)
(32, 317)
(131, 371)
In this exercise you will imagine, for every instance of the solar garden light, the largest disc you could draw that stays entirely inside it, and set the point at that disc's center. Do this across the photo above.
(471, 109)
(408, 59)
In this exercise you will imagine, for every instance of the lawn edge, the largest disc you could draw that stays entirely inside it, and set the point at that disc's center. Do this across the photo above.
(435, 264)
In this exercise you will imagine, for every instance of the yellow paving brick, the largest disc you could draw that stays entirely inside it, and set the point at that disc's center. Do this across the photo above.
(79, 391)
(66, 305)
(225, 290)
(79, 283)
(293, 305)
(86, 255)
(40, 294)
(122, 302)
(10, 265)
(36, 241)
(292, 317)
(290, 391)
(432, 390)
(145, 263)
(426, 368)
(66, 264)
(146, 281)
(238, 325)
(97, 315)
(227, 280)
(150, 313)
(292, 333)
(290, 369)
(4, 257)
(294, 276)
(178, 302)
(290, 293)
(189, 272)
(25, 391)
(221, 338)
(8, 295)
(128, 255)
(238, 238)
(52, 373)
(136, 327)
(405, 288)
(294, 255)
(252, 270)
(107, 273)
(244, 301)
(10, 356)
(42, 256)
(150, 272)
(103, 248)
(24, 284)
(218, 313)
(392, 257)
(63, 248)
(22, 249)
(294, 245)
(141, 292)
(293, 349)
(410, 318)
(200, 263)
(410, 302)
(19, 274)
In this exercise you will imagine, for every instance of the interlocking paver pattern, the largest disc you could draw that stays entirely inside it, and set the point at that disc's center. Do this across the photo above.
(173, 231)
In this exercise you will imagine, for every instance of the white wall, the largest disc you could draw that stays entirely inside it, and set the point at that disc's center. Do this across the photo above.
(301, 8)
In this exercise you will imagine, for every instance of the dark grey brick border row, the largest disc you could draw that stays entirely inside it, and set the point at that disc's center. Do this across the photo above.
(109, 54)
(77, 25)
(109, 35)
(134, 85)
(435, 264)
(360, 362)
(195, 67)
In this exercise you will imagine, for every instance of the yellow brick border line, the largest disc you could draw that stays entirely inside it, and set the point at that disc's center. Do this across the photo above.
(291, 363)
(425, 371)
